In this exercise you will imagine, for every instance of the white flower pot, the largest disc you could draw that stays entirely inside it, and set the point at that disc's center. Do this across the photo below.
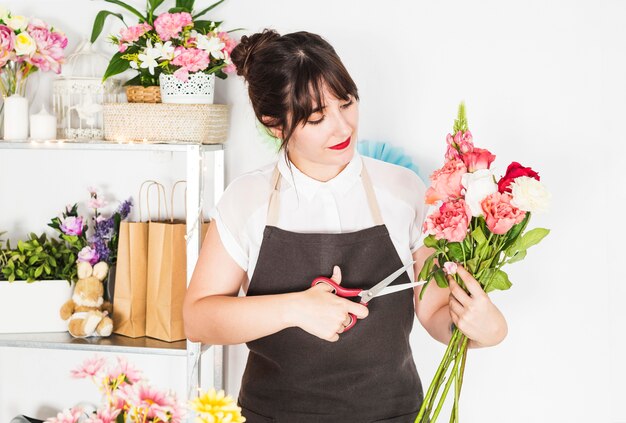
(198, 89)
(33, 307)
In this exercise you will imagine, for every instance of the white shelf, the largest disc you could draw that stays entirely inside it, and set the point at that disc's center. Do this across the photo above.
(106, 145)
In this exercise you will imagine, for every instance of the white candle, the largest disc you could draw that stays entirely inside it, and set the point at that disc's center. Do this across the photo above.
(43, 126)
(15, 118)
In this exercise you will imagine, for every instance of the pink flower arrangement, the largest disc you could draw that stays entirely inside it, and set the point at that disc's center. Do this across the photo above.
(175, 43)
(27, 45)
(130, 399)
(480, 224)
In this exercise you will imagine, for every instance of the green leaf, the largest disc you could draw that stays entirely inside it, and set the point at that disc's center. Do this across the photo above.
(494, 279)
(533, 237)
(154, 4)
(455, 252)
(98, 23)
(440, 278)
(513, 234)
(430, 241)
(33, 259)
(38, 271)
(423, 289)
(520, 255)
(131, 9)
(133, 81)
(427, 268)
(187, 4)
(479, 236)
(204, 26)
(177, 10)
(116, 66)
(472, 265)
(202, 12)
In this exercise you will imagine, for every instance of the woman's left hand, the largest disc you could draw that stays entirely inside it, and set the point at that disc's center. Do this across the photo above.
(474, 314)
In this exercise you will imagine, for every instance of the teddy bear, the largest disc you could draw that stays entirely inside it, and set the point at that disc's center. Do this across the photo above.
(87, 311)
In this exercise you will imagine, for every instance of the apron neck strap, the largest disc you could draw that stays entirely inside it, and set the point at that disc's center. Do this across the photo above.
(274, 204)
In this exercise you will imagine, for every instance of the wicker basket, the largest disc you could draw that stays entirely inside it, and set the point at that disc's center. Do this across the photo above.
(158, 122)
(139, 94)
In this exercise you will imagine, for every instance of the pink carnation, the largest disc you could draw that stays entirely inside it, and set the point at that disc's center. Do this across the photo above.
(133, 33)
(477, 159)
(169, 25)
(446, 182)
(7, 41)
(450, 221)
(189, 60)
(500, 215)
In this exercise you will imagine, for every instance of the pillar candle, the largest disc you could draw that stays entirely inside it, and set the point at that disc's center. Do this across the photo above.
(15, 118)
(43, 126)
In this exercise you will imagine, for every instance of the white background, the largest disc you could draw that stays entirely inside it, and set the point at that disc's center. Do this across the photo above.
(544, 84)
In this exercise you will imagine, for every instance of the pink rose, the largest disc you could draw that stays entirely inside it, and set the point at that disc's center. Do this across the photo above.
(477, 159)
(169, 25)
(72, 225)
(450, 221)
(500, 214)
(446, 182)
(7, 41)
(190, 60)
(89, 255)
(450, 267)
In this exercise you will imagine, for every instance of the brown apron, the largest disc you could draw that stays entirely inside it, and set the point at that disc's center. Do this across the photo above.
(369, 374)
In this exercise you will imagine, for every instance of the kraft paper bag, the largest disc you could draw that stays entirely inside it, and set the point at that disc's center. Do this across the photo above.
(129, 301)
(167, 278)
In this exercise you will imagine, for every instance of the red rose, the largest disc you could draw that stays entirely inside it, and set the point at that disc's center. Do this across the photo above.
(477, 159)
(515, 170)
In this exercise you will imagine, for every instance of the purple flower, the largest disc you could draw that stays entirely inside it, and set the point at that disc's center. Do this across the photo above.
(124, 209)
(72, 225)
(101, 248)
(89, 255)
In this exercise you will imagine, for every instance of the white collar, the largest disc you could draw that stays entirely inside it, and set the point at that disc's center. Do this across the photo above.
(308, 186)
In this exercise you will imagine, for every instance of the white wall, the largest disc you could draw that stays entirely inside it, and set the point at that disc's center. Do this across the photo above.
(544, 83)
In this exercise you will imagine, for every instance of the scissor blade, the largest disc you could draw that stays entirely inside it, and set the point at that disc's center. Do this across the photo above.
(401, 287)
(373, 292)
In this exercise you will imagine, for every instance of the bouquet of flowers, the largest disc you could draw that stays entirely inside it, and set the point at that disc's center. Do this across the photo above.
(129, 398)
(175, 42)
(481, 223)
(27, 45)
(102, 244)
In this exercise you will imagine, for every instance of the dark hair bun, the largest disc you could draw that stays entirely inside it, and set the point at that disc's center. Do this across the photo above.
(244, 54)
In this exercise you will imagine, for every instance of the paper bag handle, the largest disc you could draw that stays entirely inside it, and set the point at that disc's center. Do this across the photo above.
(160, 190)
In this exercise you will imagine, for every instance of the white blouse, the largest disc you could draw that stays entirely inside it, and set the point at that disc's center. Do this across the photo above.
(307, 205)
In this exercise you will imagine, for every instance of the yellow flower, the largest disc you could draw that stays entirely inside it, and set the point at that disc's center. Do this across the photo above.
(24, 44)
(216, 407)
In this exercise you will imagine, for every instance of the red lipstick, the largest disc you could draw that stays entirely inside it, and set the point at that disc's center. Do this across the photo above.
(341, 146)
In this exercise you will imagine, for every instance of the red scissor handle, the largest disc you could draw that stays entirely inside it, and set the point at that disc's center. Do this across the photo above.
(342, 292)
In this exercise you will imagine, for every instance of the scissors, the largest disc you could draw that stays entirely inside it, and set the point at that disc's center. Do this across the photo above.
(366, 295)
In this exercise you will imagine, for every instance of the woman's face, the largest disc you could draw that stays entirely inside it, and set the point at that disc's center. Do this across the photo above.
(328, 138)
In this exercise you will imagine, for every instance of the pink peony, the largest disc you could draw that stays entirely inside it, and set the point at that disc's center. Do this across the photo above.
(67, 416)
(7, 41)
(477, 159)
(169, 25)
(89, 255)
(72, 225)
(90, 367)
(50, 46)
(189, 60)
(450, 221)
(500, 214)
(446, 182)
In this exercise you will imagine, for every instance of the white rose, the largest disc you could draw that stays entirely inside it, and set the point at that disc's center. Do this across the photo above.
(529, 194)
(478, 186)
(24, 44)
(17, 22)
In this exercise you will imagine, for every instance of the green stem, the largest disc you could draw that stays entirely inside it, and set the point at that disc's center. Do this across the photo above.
(453, 378)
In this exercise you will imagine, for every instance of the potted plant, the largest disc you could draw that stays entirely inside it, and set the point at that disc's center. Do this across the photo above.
(34, 307)
(175, 50)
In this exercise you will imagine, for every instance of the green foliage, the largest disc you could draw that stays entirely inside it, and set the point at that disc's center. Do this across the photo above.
(204, 11)
(39, 258)
(116, 66)
(98, 23)
(460, 123)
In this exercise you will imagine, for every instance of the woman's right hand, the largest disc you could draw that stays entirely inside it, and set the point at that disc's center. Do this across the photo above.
(321, 313)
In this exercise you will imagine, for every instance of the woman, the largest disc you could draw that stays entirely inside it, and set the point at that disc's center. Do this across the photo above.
(320, 210)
